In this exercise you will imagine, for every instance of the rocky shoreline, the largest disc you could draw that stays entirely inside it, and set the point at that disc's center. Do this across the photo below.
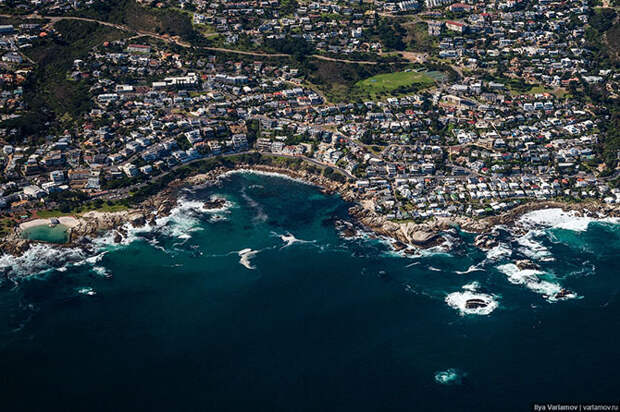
(403, 235)
(428, 233)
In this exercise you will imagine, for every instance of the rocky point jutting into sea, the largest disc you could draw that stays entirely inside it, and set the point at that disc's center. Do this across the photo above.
(402, 235)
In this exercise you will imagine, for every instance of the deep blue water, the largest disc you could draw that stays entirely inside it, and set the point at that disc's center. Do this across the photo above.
(327, 324)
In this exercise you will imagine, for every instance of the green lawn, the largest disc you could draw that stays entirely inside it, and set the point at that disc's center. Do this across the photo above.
(114, 207)
(44, 214)
(391, 81)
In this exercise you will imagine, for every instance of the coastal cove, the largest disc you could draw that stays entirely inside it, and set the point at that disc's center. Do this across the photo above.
(309, 206)
(218, 294)
(161, 196)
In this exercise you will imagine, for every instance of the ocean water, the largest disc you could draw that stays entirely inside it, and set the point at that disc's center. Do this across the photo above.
(263, 305)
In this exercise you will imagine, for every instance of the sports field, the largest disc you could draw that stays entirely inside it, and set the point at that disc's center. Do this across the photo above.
(390, 81)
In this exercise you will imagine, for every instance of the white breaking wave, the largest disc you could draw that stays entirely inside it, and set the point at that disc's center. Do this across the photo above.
(245, 257)
(484, 303)
(434, 269)
(472, 287)
(290, 239)
(472, 268)
(182, 220)
(226, 206)
(180, 223)
(432, 251)
(95, 259)
(534, 249)
(498, 252)
(40, 258)
(102, 271)
(559, 219)
(86, 291)
(530, 279)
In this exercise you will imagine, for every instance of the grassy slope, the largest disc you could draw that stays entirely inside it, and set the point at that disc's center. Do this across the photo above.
(337, 81)
(392, 81)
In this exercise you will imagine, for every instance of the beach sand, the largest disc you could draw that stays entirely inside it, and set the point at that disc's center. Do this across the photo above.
(68, 221)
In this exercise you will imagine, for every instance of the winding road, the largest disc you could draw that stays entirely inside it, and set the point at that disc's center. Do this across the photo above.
(175, 39)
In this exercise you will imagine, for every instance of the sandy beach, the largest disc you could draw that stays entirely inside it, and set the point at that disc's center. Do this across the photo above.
(68, 221)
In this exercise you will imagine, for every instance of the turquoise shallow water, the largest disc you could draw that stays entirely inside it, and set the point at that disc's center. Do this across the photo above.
(44, 233)
(225, 311)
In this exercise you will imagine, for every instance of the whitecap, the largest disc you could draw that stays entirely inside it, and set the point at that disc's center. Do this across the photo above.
(434, 269)
(449, 377)
(106, 242)
(96, 258)
(530, 278)
(559, 219)
(498, 252)
(472, 268)
(534, 249)
(434, 251)
(290, 239)
(245, 257)
(101, 271)
(225, 207)
(472, 287)
(86, 291)
(182, 220)
(458, 301)
(40, 258)
(180, 223)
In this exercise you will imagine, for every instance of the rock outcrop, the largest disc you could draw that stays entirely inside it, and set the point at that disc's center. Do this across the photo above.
(424, 234)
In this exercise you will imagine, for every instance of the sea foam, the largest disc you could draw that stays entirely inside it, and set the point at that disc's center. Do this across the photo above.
(290, 239)
(530, 278)
(534, 249)
(40, 258)
(498, 252)
(450, 376)
(245, 256)
(458, 300)
(559, 219)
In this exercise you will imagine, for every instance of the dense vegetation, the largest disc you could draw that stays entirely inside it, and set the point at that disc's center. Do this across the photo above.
(49, 94)
(137, 17)
(392, 35)
(603, 37)
(603, 19)
(298, 47)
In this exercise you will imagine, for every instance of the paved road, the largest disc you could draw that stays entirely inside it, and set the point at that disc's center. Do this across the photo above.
(126, 190)
(175, 39)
